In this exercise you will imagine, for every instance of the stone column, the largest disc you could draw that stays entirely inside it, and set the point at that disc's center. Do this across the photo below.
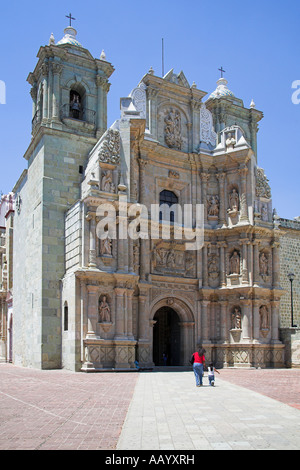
(144, 244)
(222, 246)
(102, 90)
(142, 319)
(33, 93)
(83, 316)
(246, 320)
(92, 311)
(204, 179)
(57, 68)
(152, 109)
(45, 71)
(276, 264)
(224, 321)
(275, 321)
(256, 320)
(255, 263)
(120, 313)
(205, 321)
(244, 206)
(222, 210)
(204, 258)
(245, 278)
(129, 294)
(186, 341)
(198, 323)
(92, 251)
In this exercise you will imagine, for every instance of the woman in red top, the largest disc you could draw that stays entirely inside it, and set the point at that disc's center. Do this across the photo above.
(198, 365)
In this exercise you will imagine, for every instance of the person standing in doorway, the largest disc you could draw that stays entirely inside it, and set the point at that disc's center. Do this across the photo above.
(198, 359)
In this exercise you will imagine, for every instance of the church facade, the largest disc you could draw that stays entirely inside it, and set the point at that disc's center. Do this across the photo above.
(103, 276)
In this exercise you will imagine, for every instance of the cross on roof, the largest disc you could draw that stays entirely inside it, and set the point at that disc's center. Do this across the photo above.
(222, 71)
(70, 18)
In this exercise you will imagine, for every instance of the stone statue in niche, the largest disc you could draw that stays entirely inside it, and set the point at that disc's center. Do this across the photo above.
(104, 310)
(171, 259)
(263, 264)
(213, 206)
(236, 319)
(234, 263)
(230, 141)
(234, 200)
(264, 213)
(189, 264)
(106, 247)
(264, 318)
(173, 129)
(213, 266)
(107, 182)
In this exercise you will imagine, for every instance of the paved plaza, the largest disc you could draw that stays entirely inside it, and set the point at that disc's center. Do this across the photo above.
(161, 410)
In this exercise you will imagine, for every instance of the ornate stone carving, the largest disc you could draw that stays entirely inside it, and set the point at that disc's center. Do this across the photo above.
(104, 309)
(264, 320)
(173, 129)
(207, 133)
(213, 206)
(213, 266)
(236, 319)
(138, 96)
(107, 184)
(173, 174)
(262, 184)
(230, 141)
(234, 262)
(263, 264)
(106, 247)
(110, 147)
(234, 201)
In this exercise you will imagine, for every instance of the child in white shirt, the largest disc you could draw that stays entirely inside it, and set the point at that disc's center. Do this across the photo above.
(211, 374)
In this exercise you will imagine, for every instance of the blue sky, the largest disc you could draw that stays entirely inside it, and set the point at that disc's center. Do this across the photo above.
(257, 43)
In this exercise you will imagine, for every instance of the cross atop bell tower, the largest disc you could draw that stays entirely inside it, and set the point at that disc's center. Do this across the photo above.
(70, 18)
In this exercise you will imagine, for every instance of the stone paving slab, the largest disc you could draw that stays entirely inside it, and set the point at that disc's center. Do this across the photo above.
(168, 412)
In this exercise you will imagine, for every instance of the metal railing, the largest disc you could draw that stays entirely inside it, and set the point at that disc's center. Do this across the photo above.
(83, 114)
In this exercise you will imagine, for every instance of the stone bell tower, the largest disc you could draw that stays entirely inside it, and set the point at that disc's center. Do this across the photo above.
(69, 91)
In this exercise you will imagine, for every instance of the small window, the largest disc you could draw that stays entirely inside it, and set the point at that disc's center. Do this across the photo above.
(66, 317)
(169, 198)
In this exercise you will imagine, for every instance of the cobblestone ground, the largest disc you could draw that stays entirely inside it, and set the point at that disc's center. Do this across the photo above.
(280, 384)
(55, 410)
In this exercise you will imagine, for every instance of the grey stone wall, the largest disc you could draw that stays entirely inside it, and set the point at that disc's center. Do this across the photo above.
(289, 262)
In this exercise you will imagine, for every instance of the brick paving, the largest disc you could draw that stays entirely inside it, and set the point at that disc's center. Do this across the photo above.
(54, 410)
(280, 384)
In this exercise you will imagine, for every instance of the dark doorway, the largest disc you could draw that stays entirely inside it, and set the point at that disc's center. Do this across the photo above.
(166, 338)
